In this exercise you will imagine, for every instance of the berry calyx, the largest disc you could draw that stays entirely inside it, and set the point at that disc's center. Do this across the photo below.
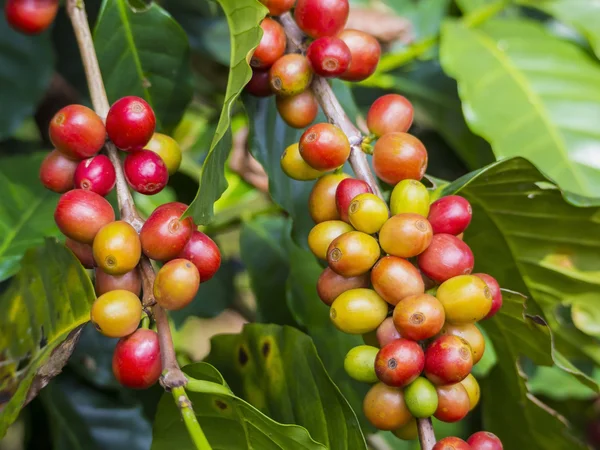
(295, 167)
(448, 360)
(365, 51)
(202, 251)
(330, 285)
(329, 56)
(96, 174)
(130, 123)
(346, 191)
(419, 317)
(164, 235)
(389, 113)
(319, 18)
(116, 313)
(359, 363)
(278, 7)
(145, 172)
(321, 201)
(453, 403)
(494, 290)
(405, 235)
(130, 281)
(83, 252)
(168, 149)
(290, 75)
(466, 299)
(117, 248)
(451, 443)
(399, 156)
(396, 279)
(368, 213)
(446, 257)
(176, 284)
(421, 398)
(80, 214)
(323, 234)
(136, 361)
(259, 85)
(483, 440)
(30, 16)
(400, 362)
(272, 45)
(298, 111)
(353, 253)
(324, 146)
(410, 196)
(57, 172)
(358, 311)
(385, 408)
(451, 215)
(77, 132)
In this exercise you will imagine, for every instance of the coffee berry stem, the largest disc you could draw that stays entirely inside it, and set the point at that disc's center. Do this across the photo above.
(185, 406)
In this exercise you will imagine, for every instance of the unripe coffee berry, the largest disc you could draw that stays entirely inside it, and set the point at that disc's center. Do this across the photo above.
(202, 251)
(165, 234)
(471, 334)
(259, 85)
(168, 149)
(400, 362)
(298, 111)
(321, 202)
(136, 361)
(130, 281)
(365, 52)
(473, 391)
(347, 191)
(358, 311)
(419, 317)
(83, 252)
(453, 403)
(466, 299)
(396, 279)
(77, 132)
(57, 172)
(399, 156)
(451, 215)
(405, 235)
(446, 257)
(385, 408)
(30, 16)
(421, 398)
(278, 7)
(145, 172)
(330, 285)
(324, 146)
(117, 248)
(290, 75)
(295, 167)
(451, 443)
(96, 174)
(80, 214)
(448, 360)
(408, 432)
(494, 290)
(368, 213)
(353, 253)
(176, 284)
(116, 313)
(410, 196)
(360, 362)
(272, 45)
(329, 56)
(323, 234)
(130, 123)
(483, 440)
(390, 113)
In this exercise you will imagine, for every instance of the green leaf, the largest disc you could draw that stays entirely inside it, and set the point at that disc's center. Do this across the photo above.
(545, 380)
(229, 422)
(26, 210)
(26, 67)
(243, 17)
(277, 369)
(586, 317)
(529, 94)
(582, 14)
(142, 51)
(41, 314)
(468, 6)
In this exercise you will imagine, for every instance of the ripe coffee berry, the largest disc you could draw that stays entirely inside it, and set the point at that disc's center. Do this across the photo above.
(164, 235)
(421, 398)
(399, 156)
(358, 311)
(360, 362)
(77, 132)
(396, 279)
(30, 16)
(405, 235)
(466, 299)
(448, 360)
(168, 149)
(494, 290)
(83, 252)
(330, 285)
(410, 196)
(473, 391)
(353, 253)
(203, 253)
(329, 56)
(323, 234)
(272, 45)
(451, 443)
(176, 284)
(57, 172)
(295, 167)
(321, 202)
(130, 123)
(390, 113)
(136, 361)
(298, 111)
(451, 215)
(278, 7)
(145, 172)
(346, 191)
(117, 248)
(259, 84)
(483, 440)
(368, 213)
(96, 174)
(387, 332)
(130, 281)
(116, 313)
(470, 333)
(384, 406)
(419, 317)
(324, 146)
(80, 214)
(400, 362)
(453, 403)
(446, 257)
(365, 51)
(290, 75)
(319, 18)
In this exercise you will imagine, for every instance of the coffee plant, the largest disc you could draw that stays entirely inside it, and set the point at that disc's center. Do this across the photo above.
(300, 224)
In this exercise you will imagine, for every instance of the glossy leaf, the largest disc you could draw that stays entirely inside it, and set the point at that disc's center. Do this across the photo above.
(277, 370)
(41, 314)
(243, 17)
(529, 94)
(468, 6)
(26, 210)
(229, 422)
(142, 51)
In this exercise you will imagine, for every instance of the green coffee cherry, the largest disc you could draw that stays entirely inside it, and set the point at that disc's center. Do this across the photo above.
(410, 196)
(421, 398)
(360, 363)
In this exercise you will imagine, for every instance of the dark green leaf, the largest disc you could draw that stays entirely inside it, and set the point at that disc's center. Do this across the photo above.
(26, 210)
(243, 17)
(41, 315)
(277, 370)
(142, 51)
(229, 422)
(529, 94)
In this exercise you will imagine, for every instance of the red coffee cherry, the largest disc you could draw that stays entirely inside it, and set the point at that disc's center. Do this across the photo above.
(390, 113)
(396, 279)
(203, 253)
(419, 317)
(319, 18)
(259, 85)
(448, 360)
(176, 284)
(57, 171)
(30, 16)
(168, 149)
(83, 252)
(483, 440)
(451, 443)
(329, 56)
(136, 361)
(330, 285)
(77, 132)
(298, 111)
(321, 202)
(399, 156)
(494, 291)
(80, 214)
(278, 7)
(130, 123)
(272, 45)
(451, 215)
(145, 172)
(290, 75)
(365, 51)
(400, 362)
(470, 333)
(453, 403)
(164, 235)
(346, 191)
(446, 257)
(130, 281)
(387, 332)
(324, 146)
(96, 174)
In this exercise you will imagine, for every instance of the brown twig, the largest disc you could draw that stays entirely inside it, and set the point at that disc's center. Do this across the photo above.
(426, 434)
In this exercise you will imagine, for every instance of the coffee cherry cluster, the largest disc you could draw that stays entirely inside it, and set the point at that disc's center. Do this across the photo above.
(113, 248)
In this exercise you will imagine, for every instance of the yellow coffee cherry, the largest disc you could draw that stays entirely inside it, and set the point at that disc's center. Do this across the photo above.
(368, 213)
